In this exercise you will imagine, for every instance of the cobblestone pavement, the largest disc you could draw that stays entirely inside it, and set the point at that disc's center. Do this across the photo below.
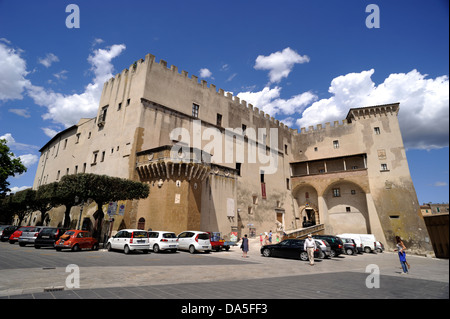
(228, 276)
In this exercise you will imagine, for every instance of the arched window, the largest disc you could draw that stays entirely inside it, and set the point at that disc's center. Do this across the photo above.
(141, 223)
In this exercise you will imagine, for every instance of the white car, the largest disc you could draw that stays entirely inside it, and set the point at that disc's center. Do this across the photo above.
(163, 240)
(194, 241)
(129, 240)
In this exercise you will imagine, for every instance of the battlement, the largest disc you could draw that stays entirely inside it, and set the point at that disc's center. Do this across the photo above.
(151, 60)
(353, 114)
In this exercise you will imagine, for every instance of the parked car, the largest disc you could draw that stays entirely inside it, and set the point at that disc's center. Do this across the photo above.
(289, 248)
(29, 235)
(129, 240)
(3, 227)
(194, 241)
(163, 240)
(48, 237)
(325, 248)
(337, 246)
(217, 242)
(14, 238)
(379, 247)
(350, 247)
(76, 240)
(368, 241)
(7, 232)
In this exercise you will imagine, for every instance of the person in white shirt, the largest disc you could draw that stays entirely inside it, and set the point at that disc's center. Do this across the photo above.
(310, 246)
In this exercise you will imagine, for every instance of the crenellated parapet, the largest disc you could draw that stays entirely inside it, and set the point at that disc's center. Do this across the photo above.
(150, 59)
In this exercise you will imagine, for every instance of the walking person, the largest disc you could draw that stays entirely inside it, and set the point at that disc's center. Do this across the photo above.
(244, 246)
(310, 247)
(402, 254)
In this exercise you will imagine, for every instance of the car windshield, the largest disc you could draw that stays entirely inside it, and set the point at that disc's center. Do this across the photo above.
(169, 235)
(140, 234)
(69, 233)
(23, 228)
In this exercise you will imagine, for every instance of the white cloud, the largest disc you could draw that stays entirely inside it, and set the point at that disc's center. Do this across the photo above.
(21, 112)
(49, 59)
(424, 104)
(12, 73)
(205, 73)
(49, 132)
(17, 189)
(269, 101)
(28, 159)
(61, 75)
(13, 145)
(68, 109)
(279, 64)
(440, 184)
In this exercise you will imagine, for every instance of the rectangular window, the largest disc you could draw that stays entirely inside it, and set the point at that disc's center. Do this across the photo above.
(238, 168)
(94, 158)
(384, 167)
(84, 167)
(195, 108)
(57, 175)
(78, 138)
(244, 128)
(336, 192)
(103, 156)
(128, 102)
(347, 209)
(262, 177)
(219, 119)
(119, 107)
(65, 144)
(376, 130)
(336, 144)
(103, 114)
(76, 169)
(285, 149)
(288, 185)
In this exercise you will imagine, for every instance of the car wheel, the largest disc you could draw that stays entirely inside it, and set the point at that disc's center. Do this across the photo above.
(322, 255)
(76, 248)
(95, 247)
(108, 247)
(126, 250)
(267, 252)
(367, 250)
(192, 249)
(58, 249)
(156, 248)
(37, 247)
(304, 256)
(333, 253)
(349, 251)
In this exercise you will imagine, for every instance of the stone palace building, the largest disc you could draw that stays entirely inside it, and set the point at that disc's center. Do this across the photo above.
(216, 163)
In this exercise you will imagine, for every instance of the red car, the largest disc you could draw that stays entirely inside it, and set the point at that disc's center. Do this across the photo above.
(15, 236)
(76, 240)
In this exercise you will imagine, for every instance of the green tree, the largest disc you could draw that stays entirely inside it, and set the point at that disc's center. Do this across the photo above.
(102, 189)
(9, 166)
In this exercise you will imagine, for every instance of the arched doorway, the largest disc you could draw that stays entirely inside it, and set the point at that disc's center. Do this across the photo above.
(141, 223)
(307, 203)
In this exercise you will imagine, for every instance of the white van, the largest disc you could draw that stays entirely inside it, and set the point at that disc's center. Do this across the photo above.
(365, 242)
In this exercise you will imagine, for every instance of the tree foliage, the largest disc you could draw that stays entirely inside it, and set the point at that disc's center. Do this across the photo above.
(9, 167)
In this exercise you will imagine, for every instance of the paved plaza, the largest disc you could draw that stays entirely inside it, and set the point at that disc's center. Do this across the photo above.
(27, 273)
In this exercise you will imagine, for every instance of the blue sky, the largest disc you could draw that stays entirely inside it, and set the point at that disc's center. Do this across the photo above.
(304, 62)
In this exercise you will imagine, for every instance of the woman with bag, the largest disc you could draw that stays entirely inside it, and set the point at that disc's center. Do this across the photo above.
(244, 246)
(402, 254)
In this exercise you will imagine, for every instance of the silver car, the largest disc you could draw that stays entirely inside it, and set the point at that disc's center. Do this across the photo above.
(29, 235)
(325, 248)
